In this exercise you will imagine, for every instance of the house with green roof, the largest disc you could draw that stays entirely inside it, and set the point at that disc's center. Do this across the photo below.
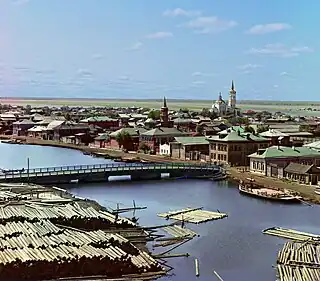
(104, 122)
(232, 146)
(159, 136)
(272, 160)
(190, 148)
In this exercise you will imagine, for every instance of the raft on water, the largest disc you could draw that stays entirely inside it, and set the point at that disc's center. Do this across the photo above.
(299, 261)
(179, 232)
(291, 234)
(193, 215)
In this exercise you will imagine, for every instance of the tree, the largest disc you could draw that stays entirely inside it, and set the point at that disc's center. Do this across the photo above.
(184, 110)
(144, 147)
(123, 138)
(28, 109)
(199, 129)
(249, 129)
(208, 113)
(239, 121)
(67, 116)
(154, 114)
(262, 128)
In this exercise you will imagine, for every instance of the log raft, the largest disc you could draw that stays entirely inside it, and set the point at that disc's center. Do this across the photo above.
(193, 215)
(299, 261)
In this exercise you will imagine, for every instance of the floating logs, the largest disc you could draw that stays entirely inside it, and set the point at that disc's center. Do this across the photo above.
(179, 232)
(193, 215)
(299, 261)
(291, 234)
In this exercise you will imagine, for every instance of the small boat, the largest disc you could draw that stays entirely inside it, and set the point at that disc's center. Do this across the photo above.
(269, 194)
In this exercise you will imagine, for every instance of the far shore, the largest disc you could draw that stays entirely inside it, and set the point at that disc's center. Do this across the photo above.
(234, 173)
(290, 107)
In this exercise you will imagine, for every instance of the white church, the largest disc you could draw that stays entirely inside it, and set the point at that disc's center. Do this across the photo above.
(221, 107)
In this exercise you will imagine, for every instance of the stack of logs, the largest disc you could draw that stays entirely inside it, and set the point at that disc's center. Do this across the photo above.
(72, 215)
(37, 249)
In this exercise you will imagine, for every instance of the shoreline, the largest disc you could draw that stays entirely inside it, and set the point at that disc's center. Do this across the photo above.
(235, 174)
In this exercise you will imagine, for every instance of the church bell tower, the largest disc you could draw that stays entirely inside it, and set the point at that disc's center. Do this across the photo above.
(232, 97)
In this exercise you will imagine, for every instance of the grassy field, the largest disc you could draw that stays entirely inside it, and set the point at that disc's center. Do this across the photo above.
(292, 108)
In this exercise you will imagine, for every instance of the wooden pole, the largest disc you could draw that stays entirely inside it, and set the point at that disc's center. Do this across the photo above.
(196, 263)
(217, 275)
(28, 167)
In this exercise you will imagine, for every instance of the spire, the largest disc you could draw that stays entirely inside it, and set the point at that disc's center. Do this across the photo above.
(164, 102)
(220, 97)
(232, 86)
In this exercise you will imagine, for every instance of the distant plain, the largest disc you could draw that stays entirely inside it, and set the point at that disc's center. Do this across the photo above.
(295, 108)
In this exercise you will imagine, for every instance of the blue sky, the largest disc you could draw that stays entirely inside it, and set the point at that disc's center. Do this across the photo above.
(149, 49)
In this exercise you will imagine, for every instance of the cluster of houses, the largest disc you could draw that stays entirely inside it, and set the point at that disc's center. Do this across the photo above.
(283, 149)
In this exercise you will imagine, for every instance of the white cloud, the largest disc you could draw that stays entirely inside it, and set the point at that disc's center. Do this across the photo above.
(210, 24)
(284, 73)
(136, 46)
(249, 66)
(280, 50)
(45, 71)
(198, 74)
(124, 78)
(84, 72)
(198, 83)
(268, 28)
(160, 35)
(97, 56)
(181, 12)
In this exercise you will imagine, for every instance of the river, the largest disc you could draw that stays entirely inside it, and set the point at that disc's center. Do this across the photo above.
(235, 246)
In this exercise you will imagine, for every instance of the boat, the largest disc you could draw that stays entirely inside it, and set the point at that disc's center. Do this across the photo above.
(269, 194)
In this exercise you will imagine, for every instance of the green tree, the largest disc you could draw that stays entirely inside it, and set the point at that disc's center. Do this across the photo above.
(144, 147)
(154, 114)
(249, 129)
(67, 116)
(199, 129)
(123, 138)
(208, 113)
(262, 128)
(184, 110)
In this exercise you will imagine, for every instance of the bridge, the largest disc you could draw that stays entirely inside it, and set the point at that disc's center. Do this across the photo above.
(102, 172)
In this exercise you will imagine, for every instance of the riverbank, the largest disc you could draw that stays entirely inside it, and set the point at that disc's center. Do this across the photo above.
(306, 191)
(234, 173)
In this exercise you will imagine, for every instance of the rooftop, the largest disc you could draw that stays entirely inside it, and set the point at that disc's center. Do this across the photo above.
(191, 140)
(285, 151)
(163, 131)
(237, 137)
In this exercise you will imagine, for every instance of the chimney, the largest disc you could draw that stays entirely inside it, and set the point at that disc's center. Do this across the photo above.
(293, 148)
(248, 136)
(138, 132)
(278, 147)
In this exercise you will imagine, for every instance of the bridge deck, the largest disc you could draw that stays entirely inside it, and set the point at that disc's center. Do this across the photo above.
(105, 168)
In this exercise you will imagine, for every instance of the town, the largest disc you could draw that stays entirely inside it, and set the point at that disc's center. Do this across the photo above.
(268, 144)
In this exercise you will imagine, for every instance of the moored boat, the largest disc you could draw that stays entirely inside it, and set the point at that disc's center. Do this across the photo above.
(268, 194)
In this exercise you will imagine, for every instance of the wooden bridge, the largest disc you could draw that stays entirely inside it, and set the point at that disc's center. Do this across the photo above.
(102, 172)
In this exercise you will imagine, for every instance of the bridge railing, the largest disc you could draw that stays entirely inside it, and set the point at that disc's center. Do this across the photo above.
(77, 169)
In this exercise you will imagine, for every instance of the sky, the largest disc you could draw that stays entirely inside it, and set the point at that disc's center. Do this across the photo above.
(138, 49)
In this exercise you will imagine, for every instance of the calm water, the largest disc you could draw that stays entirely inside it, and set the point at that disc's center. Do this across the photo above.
(234, 247)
